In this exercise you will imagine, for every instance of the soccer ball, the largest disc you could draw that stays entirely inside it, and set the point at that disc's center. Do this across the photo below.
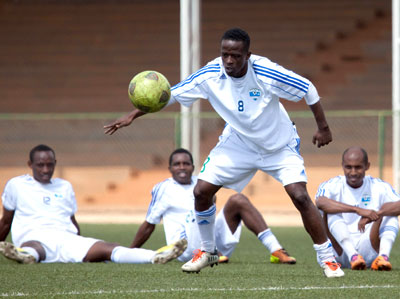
(149, 91)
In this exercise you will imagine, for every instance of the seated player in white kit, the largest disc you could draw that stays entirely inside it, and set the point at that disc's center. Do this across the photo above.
(360, 213)
(40, 212)
(173, 203)
(245, 90)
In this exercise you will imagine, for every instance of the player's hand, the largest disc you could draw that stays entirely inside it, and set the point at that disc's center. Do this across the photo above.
(370, 214)
(362, 223)
(322, 137)
(123, 121)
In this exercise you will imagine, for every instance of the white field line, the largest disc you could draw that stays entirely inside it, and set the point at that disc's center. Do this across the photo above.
(179, 290)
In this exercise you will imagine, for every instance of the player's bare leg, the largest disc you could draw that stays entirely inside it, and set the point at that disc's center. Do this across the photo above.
(99, 252)
(239, 208)
(312, 220)
(313, 224)
(205, 211)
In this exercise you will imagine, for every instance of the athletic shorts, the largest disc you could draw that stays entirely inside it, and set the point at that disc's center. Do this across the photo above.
(233, 162)
(363, 246)
(225, 241)
(62, 247)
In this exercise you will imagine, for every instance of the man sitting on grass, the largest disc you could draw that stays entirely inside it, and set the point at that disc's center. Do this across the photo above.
(173, 202)
(360, 213)
(40, 212)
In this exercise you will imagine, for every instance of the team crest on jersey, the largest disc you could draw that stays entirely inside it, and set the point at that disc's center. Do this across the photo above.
(46, 200)
(255, 93)
(365, 199)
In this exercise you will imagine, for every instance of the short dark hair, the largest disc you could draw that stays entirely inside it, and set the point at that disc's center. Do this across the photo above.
(40, 148)
(180, 151)
(363, 151)
(237, 34)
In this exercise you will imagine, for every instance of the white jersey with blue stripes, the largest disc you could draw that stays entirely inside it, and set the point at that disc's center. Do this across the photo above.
(371, 195)
(250, 104)
(173, 203)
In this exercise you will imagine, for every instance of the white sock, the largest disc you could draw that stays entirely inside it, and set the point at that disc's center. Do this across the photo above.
(324, 252)
(32, 252)
(269, 240)
(385, 246)
(387, 234)
(206, 223)
(338, 228)
(124, 255)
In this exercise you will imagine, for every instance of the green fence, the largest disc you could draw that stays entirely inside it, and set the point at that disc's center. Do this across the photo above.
(79, 139)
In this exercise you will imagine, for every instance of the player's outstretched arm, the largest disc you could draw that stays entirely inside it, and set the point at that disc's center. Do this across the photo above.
(123, 121)
(143, 234)
(323, 136)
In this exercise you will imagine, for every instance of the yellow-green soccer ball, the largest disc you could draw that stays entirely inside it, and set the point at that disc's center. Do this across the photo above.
(149, 91)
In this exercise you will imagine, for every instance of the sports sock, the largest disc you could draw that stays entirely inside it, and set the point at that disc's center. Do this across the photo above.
(387, 235)
(32, 252)
(269, 240)
(324, 252)
(124, 255)
(206, 223)
(338, 228)
(385, 246)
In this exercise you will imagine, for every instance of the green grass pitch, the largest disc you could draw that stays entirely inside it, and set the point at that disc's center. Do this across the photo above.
(248, 274)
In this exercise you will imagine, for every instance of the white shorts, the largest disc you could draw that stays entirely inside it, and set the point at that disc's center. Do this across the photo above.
(62, 247)
(363, 246)
(225, 241)
(233, 162)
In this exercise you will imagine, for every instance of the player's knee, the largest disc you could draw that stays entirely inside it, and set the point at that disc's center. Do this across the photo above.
(198, 193)
(238, 200)
(100, 251)
(301, 200)
(202, 195)
(299, 195)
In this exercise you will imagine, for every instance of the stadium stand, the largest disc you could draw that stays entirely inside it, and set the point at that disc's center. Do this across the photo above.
(78, 56)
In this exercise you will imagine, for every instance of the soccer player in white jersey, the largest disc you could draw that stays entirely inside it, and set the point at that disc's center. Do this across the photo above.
(244, 89)
(40, 212)
(173, 203)
(361, 214)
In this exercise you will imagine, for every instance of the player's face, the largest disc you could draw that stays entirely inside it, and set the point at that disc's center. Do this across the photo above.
(181, 168)
(354, 168)
(234, 58)
(43, 166)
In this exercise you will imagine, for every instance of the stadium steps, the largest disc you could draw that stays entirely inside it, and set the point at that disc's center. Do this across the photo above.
(80, 56)
(355, 71)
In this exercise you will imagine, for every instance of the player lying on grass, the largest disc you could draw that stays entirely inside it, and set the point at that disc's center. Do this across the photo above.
(40, 211)
(360, 213)
(173, 203)
(245, 90)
